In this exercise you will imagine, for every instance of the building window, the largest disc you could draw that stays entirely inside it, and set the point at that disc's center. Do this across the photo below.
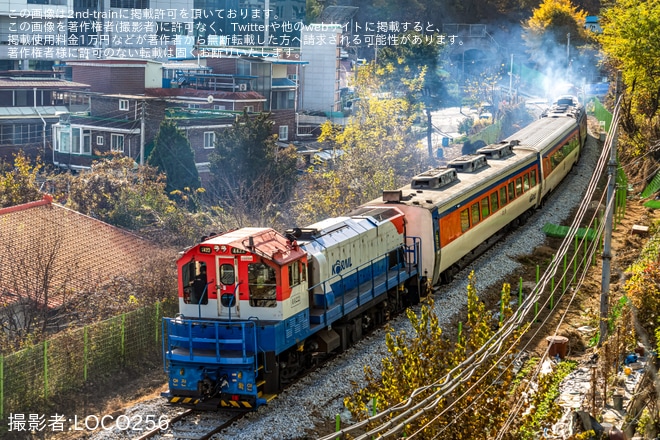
(283, 100)
(75, 140)
(242, 67)
(218, 107)
(209, 139)
(193, 105)
(47, 2)
(65, 140)
(117, 142)
(27, 134)
(284, 132)
(130, 4)
(249, 108)
(123, 104)
(80, 4)
(99, 140)
(87, 142)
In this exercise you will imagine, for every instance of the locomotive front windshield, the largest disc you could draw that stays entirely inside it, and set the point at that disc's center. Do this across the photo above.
(262, 284)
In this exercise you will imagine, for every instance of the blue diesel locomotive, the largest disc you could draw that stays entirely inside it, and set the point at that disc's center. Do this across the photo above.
(258, 307)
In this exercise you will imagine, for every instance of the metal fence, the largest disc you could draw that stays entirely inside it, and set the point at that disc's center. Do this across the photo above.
(601, 113)
(31, 378)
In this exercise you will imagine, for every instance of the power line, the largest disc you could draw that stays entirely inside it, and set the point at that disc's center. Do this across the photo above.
(463, 371)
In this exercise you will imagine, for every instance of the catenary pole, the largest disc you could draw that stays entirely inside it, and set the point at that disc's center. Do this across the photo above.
(607, 239)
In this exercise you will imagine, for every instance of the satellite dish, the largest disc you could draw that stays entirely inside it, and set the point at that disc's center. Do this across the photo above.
(210, 99)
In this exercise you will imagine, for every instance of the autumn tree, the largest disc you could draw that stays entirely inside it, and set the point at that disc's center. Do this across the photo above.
(252, 176)
(18, 181)
(631, 42)
(411, 69)
(374, 151)
(313, 9)
(173, 156)
(119, 192)
(554, 26)
(643, 291)
(418, 363)
(480, 90)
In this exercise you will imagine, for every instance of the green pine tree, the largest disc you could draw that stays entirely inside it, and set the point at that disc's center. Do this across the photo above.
(251, 174)
(173, 156)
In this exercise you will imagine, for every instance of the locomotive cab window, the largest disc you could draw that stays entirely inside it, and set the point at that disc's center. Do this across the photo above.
(197, 290)
(262, 285)
(296, 275)
(187, 276)
(227, 274)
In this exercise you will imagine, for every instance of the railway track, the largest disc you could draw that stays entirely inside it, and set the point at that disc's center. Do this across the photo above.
(192, 425)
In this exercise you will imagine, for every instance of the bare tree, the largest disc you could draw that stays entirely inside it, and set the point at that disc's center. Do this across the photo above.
(36, 284)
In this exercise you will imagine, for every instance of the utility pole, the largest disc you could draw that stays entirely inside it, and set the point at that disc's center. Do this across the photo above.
(609, 220)
(607, 242)
(511, 81)
(142, 134)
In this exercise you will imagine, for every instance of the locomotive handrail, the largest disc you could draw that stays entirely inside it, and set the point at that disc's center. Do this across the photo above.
(325, 284)
(215, 339)
(354, 270)
(201, 298)
(414, 249)
(165, 337)
(255, 319)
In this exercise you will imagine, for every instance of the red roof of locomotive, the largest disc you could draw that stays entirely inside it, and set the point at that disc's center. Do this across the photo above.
(260, 241)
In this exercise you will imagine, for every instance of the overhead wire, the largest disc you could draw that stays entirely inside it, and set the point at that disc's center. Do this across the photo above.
(449, 384)
(502, 357)
(513, 345)
(587, 257)
(519, 403)
(592, 250)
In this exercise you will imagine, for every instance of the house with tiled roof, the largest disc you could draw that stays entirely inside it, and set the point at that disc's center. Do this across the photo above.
(52, 256)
